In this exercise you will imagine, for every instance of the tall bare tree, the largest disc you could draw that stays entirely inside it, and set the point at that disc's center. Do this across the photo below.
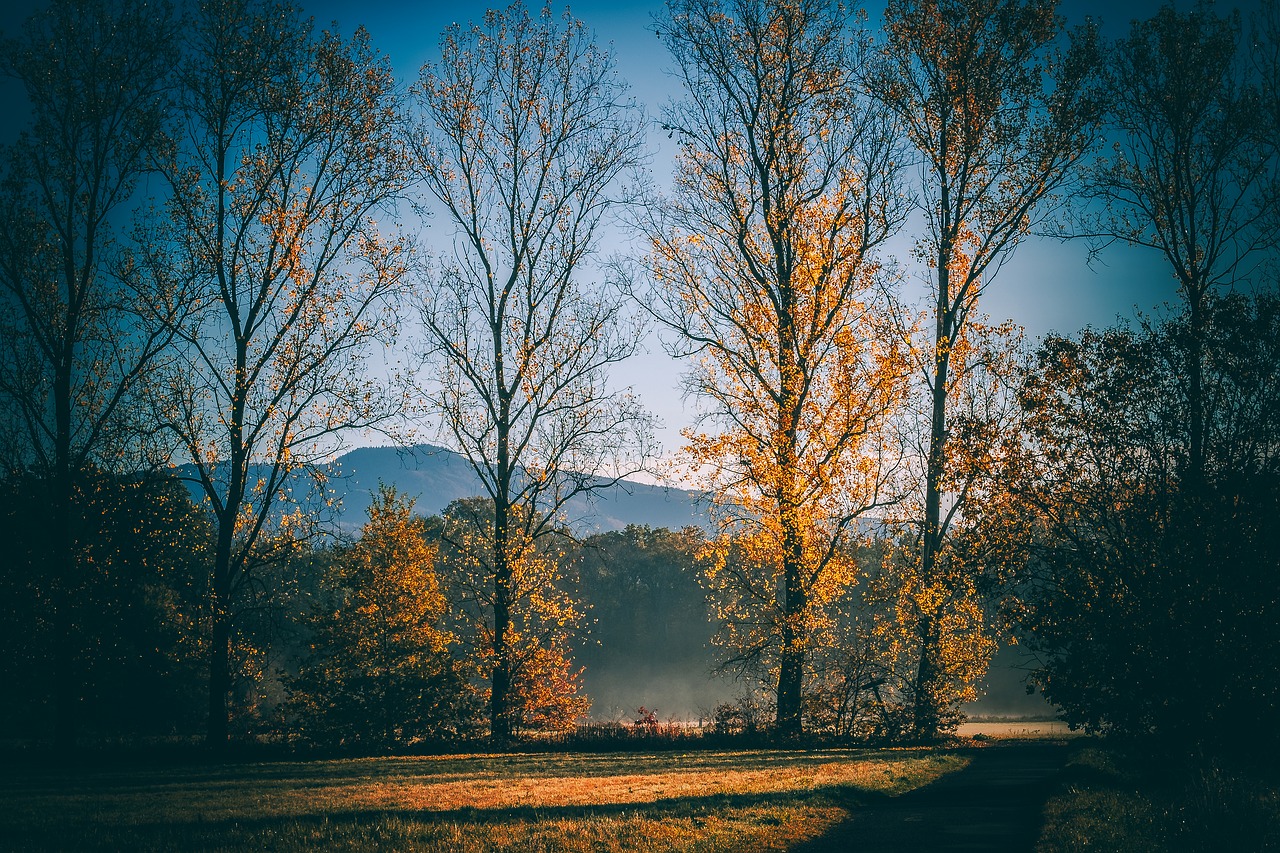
(763, 267)
(526, 136)
(72, 344)
(1195, 172)
(1000, 117)
(287, 150)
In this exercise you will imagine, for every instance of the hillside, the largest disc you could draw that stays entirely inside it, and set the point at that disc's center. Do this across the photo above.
(434, 477)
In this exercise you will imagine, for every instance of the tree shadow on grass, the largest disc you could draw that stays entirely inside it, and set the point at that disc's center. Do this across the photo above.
(995, 803)
(400, 827)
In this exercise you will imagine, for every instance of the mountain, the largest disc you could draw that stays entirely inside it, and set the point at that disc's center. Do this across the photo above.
(435, 477)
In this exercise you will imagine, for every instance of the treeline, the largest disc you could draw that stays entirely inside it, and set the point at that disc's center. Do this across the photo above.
(372, 643)
(207, 259)
(379, 642)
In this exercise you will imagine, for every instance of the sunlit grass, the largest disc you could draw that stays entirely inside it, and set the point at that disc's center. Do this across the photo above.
(753, 800)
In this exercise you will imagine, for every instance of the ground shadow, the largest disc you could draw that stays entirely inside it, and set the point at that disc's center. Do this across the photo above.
(996, 803)
(390, 828)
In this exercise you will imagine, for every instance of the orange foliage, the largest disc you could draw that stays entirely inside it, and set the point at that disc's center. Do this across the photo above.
(764, 267)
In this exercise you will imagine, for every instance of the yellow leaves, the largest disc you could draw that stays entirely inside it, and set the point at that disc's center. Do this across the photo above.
(808, 377)
(390, 571)
(542, 616)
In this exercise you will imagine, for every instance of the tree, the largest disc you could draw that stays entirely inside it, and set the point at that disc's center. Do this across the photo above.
(543, 613)
(72, 349)
(381, 669)
(285, 152)
(1151, 591)
(525, 135)
(1171, 425)
(763, 268)
(132, 612)
(1265, 51)
(1194, 171)
(1000, 118)
(959, 596)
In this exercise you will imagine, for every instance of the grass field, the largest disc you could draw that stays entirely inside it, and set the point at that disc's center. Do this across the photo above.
(713, 800)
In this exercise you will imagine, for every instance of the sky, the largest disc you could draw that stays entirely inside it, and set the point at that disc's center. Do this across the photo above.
(1047, 286)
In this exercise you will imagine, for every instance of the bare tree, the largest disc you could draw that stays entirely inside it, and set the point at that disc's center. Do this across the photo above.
(1000, 119)
(1194, 171)
(72, 345)
(763, 268)
(525, 135)
(287, 150)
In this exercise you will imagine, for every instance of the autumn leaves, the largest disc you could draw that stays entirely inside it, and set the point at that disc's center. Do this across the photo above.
(236, 324)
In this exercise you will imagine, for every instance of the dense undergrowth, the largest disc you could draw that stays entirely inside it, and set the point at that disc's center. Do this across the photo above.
(1127, 797)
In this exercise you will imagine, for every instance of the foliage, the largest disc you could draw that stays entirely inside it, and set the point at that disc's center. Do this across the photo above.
(135, 630)
(75, 340)
(543, 617)
(1152, 589)
(525, 136)
(999, 116)
(762, 265)
(1195, 174)
(650, 625)
(1194, 171)
(1265, 55)
(747, 715)
(1151, 473)
(944, 616)
(283, 154)
(1119, 798)
(381, 670)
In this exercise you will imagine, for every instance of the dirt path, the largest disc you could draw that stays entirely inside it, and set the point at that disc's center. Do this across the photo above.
(994, 804)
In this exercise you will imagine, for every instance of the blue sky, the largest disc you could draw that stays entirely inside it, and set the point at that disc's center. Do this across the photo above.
(1047, 286)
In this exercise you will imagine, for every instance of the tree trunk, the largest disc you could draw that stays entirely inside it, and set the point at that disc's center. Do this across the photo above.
(500, 688)
(62, 568)
(925, 710)
(791, 669)
(790, 411)
(500, 728)
(216, 736)
(66, 675)
(1195, 393)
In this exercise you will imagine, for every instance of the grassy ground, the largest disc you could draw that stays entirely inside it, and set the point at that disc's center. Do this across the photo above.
(696, 801)
(1115, 800)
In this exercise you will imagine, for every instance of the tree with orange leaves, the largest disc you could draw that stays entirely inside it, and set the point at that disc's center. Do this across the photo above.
(542, 619)
(74, 341)
(381, 669)
(999, 117)
(762, 265)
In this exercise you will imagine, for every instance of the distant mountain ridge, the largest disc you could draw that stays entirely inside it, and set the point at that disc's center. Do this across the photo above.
(435, 477)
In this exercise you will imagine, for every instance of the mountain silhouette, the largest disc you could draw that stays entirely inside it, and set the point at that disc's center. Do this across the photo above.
(435, 477)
